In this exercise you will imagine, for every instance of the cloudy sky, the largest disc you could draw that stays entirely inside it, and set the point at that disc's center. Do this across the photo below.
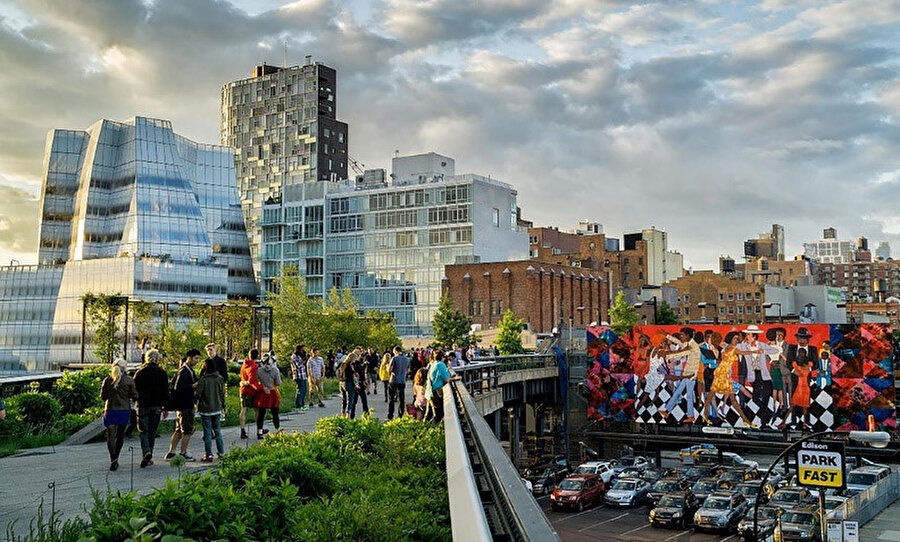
(708, 119)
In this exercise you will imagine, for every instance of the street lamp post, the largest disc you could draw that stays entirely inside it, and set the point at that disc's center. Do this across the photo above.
(702, 306)
(770, 305)
(878, 439)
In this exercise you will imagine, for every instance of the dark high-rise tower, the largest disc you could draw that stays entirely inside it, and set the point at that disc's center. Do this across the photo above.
(282, 125)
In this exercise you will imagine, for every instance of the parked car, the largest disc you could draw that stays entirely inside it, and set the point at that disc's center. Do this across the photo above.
(862, 478)
(736, 475)
(631, 472)
(801, 523)
(720, 512)
(653, 474)
(692, 474)
(665, 486)
(545, 477)
(729, 459)
(528, 485)
(767, 518)
(750, 489)
(626, 461)
(705, 487)
(603, 468)
(627, 492)
(674, 510)
(789, 497)
(578, 492)
(689, 455)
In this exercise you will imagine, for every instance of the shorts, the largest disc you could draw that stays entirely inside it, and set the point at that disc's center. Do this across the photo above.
(184, 422)
(248, 401)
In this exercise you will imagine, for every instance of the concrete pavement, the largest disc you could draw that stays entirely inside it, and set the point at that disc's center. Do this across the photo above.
(25, 479)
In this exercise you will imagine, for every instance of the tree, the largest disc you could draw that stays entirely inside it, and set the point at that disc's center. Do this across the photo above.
(451, 326)
(665, 315)
(234, 328)
(103, 311)
(509, 340)
(622, 315)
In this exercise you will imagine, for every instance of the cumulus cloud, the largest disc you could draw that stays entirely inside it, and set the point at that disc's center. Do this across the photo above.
(709, 120)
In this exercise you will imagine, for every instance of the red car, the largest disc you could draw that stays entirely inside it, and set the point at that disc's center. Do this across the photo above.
(579, 492)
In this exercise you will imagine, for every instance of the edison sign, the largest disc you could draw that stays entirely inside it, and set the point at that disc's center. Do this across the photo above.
(821, 464)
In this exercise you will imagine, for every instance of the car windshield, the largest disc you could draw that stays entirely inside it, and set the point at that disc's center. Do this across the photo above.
(766, 513)
(733, 475)
(625, 486)
(748, 490)
(704, 487)
(537, 472)
(631, 471)
(717, 504)
(802, 518)
(626, 462)
(691, 472)
(787, 496)
(571, 485)
(671, 501)
(862, 479)
(585, 470)
(666, 485)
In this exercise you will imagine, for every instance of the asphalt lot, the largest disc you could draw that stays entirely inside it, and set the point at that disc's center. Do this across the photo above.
(605, 523)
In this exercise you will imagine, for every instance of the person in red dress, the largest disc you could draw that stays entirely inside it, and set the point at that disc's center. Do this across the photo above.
(249, 387)
(801, 397)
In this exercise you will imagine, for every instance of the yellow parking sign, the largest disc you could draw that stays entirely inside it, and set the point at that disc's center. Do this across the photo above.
(821, 464)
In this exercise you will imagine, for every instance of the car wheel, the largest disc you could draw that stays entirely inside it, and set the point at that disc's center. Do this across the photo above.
(581, 506)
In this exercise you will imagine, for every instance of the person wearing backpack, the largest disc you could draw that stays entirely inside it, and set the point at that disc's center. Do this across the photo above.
(117, 392)
(347, 378)
(384, 373)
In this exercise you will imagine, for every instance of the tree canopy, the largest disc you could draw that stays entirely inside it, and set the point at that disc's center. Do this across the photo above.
(623, 315)
(509, 340)
(451, 326)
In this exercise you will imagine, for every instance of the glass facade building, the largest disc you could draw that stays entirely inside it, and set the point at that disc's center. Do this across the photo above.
(389, 242)
(282, 124)
(129, 208)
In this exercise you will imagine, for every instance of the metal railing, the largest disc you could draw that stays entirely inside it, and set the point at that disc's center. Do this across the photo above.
(869, 503)
(484, 373)
(488, 500)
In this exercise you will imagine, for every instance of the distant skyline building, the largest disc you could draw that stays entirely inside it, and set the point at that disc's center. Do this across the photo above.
(388, 242)
(282, 124)
(883, 252)
(127, 208)
(830, 249)
(769, 245)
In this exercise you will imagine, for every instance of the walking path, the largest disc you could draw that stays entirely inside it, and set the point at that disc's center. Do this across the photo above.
(25, 478)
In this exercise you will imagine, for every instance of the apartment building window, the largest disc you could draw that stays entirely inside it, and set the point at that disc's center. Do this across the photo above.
(721, 297)
(495, 217)
(476, 308)
(687, 298)
(532, 239)
(757, 296)
(496, 307)
(740, 309)
(730, 297)
(740, 296)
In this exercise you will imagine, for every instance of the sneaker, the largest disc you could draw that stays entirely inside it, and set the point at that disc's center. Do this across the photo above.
(146, 460)
(114, 465)
(260, 436)
(244, 434)
(220, 456)
(207, 459)
(304, 408)
(170, 455)
(187, 457)
(322, 405)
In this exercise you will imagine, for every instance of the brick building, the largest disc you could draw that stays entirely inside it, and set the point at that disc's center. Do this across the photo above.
(862, 281)
(864, 312)
(727, 299)
(773, 272)
(542, 294)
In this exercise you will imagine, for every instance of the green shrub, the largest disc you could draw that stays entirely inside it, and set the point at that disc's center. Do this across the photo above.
(37, 410)
(72, 423)
(361, 436)
(12, 427)
(270, 464)
(234, 380)
(79, 390)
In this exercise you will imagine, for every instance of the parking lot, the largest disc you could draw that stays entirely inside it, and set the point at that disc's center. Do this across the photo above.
(605, 523)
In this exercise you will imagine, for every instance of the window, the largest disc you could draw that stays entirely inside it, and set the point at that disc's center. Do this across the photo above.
(476, 308)
(687, 298)
(740, 296)
(721, 297)
(496, 307)
(730, 297)
(495, 217)
(532, 239)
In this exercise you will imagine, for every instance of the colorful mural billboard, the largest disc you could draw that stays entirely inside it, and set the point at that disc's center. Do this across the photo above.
(774, 376)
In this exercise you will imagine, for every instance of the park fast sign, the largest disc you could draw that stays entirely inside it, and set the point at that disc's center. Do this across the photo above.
(821, 464)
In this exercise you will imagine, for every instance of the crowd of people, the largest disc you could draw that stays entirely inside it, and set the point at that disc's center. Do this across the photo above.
(189, 395)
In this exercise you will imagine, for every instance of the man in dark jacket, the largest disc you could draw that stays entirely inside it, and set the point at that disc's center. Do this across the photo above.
(218, 361)
(183, 405)
(152, 384)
